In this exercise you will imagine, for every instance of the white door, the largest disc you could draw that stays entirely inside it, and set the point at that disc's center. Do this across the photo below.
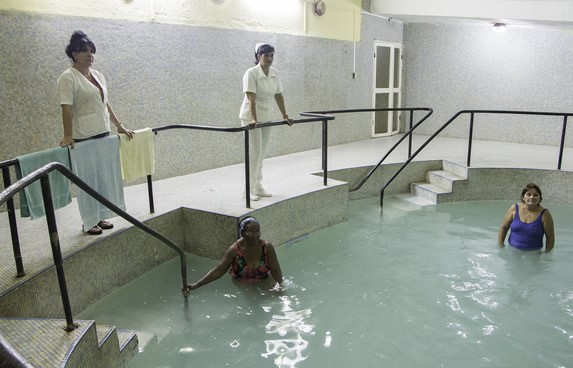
(387, 92)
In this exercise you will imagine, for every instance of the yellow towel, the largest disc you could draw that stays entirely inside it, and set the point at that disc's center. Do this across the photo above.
(136, 154)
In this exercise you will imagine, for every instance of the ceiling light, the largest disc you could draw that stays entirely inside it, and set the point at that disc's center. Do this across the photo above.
(500, 27)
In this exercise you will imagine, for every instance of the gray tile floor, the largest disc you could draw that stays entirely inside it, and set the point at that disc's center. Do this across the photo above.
(221, 190)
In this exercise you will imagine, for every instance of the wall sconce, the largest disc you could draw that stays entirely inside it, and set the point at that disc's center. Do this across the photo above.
(319, 8)
(499, 27)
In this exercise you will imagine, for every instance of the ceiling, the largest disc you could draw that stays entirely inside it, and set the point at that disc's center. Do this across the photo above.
(515, 13)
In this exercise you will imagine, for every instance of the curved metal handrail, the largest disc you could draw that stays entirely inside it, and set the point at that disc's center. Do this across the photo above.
(42, 175)
(37, 174)
(472, 113)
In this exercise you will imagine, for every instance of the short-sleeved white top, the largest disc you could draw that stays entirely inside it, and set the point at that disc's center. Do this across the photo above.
(265, 87)
(90, 114)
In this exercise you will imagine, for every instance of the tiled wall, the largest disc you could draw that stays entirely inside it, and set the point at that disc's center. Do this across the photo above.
(457, 67)
(161, 74)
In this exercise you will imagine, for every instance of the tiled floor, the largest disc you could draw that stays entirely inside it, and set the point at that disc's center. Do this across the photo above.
(221, 190)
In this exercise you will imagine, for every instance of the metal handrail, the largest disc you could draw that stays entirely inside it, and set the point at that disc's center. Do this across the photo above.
(42, 175)
(5, 166)
(315, 117)
(408, 134)
(470, 138)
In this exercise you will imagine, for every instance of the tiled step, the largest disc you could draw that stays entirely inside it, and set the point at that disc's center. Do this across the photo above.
(427, 191)
(45, 343)
(442, 178)
(410, 202)
(439, 183)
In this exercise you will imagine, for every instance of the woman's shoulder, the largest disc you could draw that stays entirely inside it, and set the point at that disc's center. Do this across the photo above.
(67, 74)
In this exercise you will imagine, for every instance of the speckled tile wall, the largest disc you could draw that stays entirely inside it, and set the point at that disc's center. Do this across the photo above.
(456, 67)
(160, 74)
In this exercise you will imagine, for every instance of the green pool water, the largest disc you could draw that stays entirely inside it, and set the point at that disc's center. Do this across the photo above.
(405, 287)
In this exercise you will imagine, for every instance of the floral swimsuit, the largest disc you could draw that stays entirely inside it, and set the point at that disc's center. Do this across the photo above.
(240, 270)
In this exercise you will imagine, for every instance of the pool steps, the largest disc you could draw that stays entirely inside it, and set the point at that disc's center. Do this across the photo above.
(439, 185)
(45, 343)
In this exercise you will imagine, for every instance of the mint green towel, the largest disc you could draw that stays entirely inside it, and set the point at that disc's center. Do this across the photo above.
(31, 200)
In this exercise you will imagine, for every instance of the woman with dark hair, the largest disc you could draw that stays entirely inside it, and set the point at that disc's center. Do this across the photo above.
(83, 96)
(86, 112)
(250, 259)
(528, 222)
(262, 87)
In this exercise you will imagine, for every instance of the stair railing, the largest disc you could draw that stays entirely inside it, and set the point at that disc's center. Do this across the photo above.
(470, 137)
(42, 175)
(408, 134)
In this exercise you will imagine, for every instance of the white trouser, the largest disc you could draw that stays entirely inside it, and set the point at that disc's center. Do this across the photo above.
(258, 147)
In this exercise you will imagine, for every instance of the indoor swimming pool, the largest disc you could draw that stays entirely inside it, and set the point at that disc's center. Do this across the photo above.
(406, 287)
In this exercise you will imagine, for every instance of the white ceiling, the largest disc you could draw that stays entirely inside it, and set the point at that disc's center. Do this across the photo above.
(522, 13)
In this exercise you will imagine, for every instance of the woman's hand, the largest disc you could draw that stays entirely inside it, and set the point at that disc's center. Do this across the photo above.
(67, 141)
(121, 129)
(253, 123)
(187, 288)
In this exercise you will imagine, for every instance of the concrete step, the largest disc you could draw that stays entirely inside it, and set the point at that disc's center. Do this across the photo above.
(444, 179)
(409, 202)
(427, 191)
(454, 168)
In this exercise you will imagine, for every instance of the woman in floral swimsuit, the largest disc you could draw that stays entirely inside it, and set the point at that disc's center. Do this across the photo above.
(249, 259)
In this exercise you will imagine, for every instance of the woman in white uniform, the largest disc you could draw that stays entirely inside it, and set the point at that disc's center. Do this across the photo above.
(86, 112)
(262, 88)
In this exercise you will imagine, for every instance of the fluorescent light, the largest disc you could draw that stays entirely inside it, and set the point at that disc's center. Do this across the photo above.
(500, 27)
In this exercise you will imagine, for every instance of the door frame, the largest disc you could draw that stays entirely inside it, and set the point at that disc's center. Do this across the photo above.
(391, 90)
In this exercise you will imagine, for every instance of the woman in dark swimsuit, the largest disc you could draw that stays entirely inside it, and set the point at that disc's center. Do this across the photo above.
(528, 222)
(249, 259)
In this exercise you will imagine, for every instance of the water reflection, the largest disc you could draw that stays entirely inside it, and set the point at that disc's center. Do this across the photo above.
(290, 325)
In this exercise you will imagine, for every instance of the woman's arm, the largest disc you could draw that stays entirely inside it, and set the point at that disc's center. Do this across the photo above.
(507, 219)
(274, 264)
(281, 104)
(120, 128)
(217, 271)
(67, 118)
(548, 226)
(252, 97)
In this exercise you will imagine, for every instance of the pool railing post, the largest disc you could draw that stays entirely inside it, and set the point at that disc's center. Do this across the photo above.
(56, 251)
(13, 226)
(247, 171)
(150, 194)
(324, 151)
(470, 138)
(410, 136)
(562, 144)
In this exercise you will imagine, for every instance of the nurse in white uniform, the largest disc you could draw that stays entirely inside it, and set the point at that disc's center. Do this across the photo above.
(262, 88)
